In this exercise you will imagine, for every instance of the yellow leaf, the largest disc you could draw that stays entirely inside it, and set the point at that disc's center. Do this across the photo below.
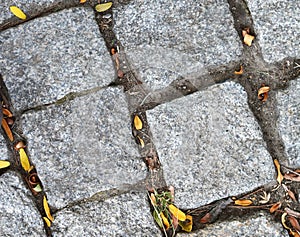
(103, 7)
(48, 222)
(47, 209)
(177, 213)
(17, 12)
(82, 1)
(24, 159)
(4, 164)
(137, 123)
(187, 225)
(279, 175)
(243, 202)
(165, 220)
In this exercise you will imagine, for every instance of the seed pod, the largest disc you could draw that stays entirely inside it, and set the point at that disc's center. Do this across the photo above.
(177, 213)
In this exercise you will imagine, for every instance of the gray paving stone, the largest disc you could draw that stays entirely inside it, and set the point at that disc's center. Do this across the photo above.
(210, 145)
(18, 215)
(49, 57)
(126, 215)
(257, 226)
(177, 36)
(84, 146)
(289, 120)
(25, 5)
(277, 24)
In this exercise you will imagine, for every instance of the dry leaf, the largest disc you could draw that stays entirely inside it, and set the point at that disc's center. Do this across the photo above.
(165, 220)
(7, 130)
(247, 37)
(243, 202)
(17, 12)
(283, 221)
(187, 225)
(240, 72)
(82, 1)
(103, 7)
(265, 198)
(292, 195)
(24, 159)
(205, 219)
(279, 175)
(4, 164)
(141, 141)
(137, 123)
(47, 209)
(177, 213)
(19, 145)
(263, 93)
(6, 112)
(275, 207)
(294, 222)
(153, 199)
(48, 222)
(292, 177)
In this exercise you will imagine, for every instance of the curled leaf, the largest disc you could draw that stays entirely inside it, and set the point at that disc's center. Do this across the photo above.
(263, 93)
(165, 220)
(103, 7)
(7, 130)
(275, 207)
(137, 122)
(17, 12)
(243, 202)
(177, 213)
(47, 209)
(4, 164)
(24, 159)
(240, 72)
(283, 221)
(187, 225)
(279, 175)
(48, 222)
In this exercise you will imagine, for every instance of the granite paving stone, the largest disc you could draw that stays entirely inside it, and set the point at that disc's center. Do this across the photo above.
(48, 57)
(210, 145)
(125, 215)
(83, 146)
(289, 120)
(178, 36)
(277, 24)
(18, 216)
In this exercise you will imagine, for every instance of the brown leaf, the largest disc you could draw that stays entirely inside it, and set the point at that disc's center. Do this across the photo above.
(7, 130)
(292, 177)
(292, 195)
(243, 202)
(205, 219)
(6, 112)
(294, 222)
(275, 207)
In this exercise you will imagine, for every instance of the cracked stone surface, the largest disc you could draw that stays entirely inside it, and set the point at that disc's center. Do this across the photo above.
(211, 143)
(81, 150)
